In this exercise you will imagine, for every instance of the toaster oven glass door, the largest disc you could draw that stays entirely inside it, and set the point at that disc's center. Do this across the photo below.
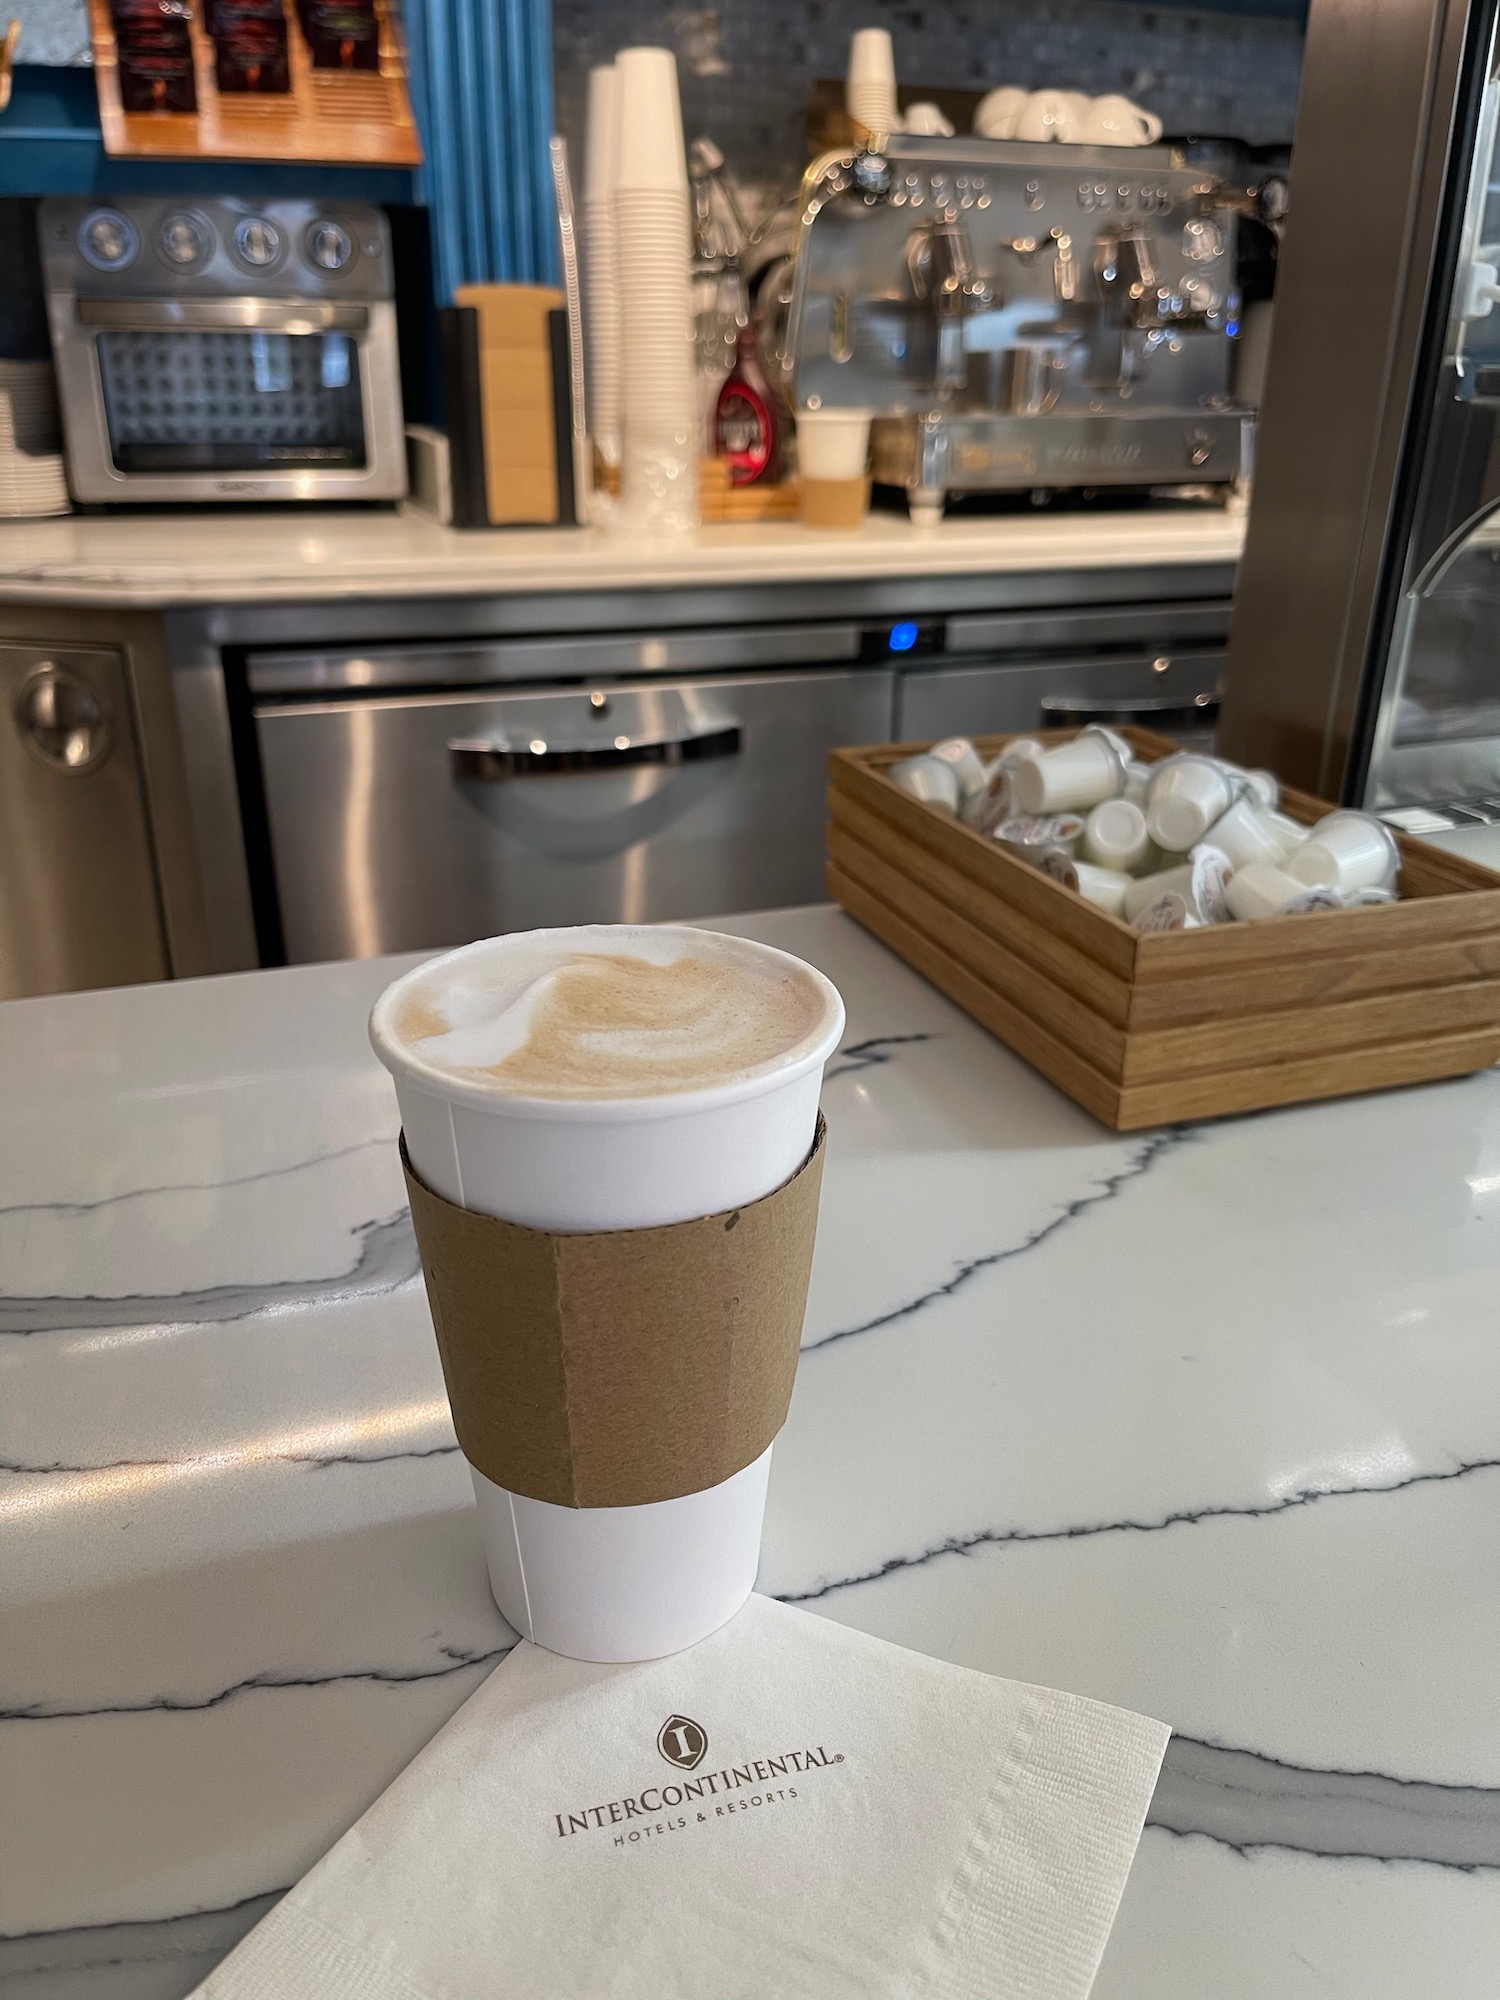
(190, 399)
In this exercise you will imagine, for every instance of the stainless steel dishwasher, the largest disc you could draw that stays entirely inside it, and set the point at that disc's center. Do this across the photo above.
(418, 797)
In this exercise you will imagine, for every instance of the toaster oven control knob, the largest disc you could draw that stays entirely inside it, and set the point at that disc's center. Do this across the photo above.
(184, 240)
(328, 246)
(108, 241)
(257, 242)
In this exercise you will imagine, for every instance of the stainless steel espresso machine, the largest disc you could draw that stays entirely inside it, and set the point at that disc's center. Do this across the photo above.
(1021, 316)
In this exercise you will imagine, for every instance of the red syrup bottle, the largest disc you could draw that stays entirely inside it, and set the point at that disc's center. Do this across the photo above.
(747, 422)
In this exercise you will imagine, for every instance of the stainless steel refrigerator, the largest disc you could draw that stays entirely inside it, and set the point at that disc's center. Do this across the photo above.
(1365, 649)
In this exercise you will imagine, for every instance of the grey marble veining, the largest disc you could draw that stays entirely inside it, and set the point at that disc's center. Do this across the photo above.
(1256, 1499)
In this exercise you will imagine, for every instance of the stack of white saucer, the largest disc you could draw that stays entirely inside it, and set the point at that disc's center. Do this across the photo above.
(31, 466)
(870, 85)
(602, 297)
(653, 255)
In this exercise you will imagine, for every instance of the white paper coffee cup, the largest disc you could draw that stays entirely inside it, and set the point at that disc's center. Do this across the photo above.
(615, 1583)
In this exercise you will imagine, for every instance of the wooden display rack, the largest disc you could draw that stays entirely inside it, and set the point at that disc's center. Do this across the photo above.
(1148, 1029)
(337, 116)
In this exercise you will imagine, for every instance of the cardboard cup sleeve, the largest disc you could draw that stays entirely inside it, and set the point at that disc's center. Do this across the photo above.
(624, 1367)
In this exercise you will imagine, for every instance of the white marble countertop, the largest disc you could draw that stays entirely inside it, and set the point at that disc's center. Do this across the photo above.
(205, 557)
(1205, 1422)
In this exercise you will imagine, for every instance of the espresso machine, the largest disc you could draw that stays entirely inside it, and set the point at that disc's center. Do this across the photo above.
(1021, 316)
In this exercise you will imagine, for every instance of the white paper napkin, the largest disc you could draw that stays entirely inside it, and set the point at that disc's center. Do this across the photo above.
(788, 1809)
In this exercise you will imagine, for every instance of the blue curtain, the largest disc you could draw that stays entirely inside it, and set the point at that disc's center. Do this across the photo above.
(481, 80)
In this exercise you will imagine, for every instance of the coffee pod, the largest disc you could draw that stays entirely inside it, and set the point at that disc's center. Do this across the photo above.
(1104, 887)
(929, 779)
(1250, 832)
(1116, 743)
(1015, 752)
(1169, 912)
(1186, 795)
(1047, 843)
(1347, 850)
(1281, 826)
(1202, 882)
(1070, 778)
(608, 1137)
(986, 809)
(1260, 889)
(968, 766)
(1138, 778)
(1115, 836)
(1368, 899)
(1316, 899)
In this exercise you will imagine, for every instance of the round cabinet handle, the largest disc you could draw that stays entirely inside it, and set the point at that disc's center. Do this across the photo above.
(495, 758)
(63, 721)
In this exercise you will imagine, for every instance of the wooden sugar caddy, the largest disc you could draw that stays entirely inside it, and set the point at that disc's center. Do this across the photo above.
(1145, 1030)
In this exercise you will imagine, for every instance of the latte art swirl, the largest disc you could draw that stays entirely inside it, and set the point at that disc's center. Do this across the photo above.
(606, 1012)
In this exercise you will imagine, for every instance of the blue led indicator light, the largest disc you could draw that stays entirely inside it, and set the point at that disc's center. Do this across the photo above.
(903, 637)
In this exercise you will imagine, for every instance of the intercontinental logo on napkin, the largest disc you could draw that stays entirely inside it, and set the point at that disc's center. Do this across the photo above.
(695, 1802)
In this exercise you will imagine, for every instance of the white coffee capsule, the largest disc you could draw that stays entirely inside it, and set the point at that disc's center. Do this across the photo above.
(1347, 850)
(1186, 795)
(1102, 886)
(1072, 777)
(1137, 781)
(930, 779)
(1201, 881)
(1169, 912)
(1262, 890)
(1115, 836)
(968, 765)
(1248, 832)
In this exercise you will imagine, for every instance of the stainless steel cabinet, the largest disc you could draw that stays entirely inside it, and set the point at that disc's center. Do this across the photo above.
(425, 820)
(78, 895)
(993, 696)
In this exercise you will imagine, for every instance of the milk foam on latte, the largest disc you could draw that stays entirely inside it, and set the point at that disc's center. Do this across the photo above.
(606, 1011)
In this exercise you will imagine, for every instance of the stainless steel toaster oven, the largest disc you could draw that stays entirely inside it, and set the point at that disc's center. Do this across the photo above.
(224, 350)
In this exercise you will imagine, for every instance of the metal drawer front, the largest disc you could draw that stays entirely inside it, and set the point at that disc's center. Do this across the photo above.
(400, 824)
(984, 700)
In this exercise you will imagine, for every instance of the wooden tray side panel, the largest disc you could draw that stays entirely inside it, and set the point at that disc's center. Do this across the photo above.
(1073, 969)
(1390, 1065)
(1045, 1052)
(987, 953)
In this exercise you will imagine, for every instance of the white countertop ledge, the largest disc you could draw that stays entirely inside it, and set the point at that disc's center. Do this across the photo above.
(158, 560)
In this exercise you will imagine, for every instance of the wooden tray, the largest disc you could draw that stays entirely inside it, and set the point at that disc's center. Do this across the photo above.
(358, 117)
(1144, 1030)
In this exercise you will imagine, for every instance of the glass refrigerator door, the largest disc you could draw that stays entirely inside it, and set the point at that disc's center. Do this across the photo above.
(1437, 725)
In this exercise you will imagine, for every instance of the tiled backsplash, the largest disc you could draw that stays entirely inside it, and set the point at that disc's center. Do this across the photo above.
(746, 70)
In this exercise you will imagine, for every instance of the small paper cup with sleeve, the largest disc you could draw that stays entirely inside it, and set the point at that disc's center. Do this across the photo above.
(533, 1207)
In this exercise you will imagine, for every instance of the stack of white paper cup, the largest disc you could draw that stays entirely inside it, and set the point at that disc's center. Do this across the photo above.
(870, 86)
(653, 258)
(603, 291)
(632, 1582)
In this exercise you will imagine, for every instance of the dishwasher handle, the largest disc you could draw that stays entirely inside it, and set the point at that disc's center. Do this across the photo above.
(490, 759)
